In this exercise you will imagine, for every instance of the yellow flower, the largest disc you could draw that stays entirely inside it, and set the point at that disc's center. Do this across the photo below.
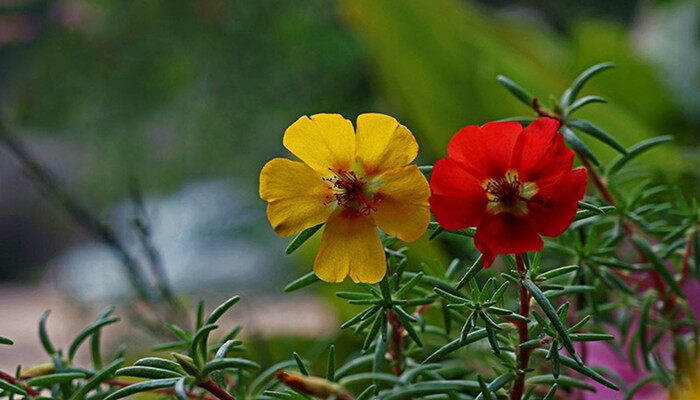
(352, 181)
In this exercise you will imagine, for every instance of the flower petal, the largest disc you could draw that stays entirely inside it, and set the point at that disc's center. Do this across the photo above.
(458, 200)
(505, 233)
(554, 206)
(350, 245)
(485, 151)
(295, 196)
(402, 203)
(323, 141)
(383, 143)
(540, 155)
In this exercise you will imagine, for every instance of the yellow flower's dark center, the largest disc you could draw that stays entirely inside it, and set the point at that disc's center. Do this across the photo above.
(348, 190)
(508, 194)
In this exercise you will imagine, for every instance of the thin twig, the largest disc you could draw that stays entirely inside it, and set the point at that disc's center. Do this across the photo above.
(77, 211)
(142, 226)
(143, 230)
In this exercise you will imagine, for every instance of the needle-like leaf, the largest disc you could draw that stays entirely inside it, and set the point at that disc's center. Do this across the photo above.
(553, 317)
(573, 90)
(301, 282)
(658, 265)
(635, 151)
(598, 133)
(518, 91)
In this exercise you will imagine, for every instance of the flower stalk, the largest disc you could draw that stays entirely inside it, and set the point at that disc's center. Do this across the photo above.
(396, 345)
(523, 336)
(11, 379)
(597, 180)
(214, 389)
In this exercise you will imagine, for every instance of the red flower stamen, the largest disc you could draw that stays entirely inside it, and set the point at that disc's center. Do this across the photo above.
(503, 190)
(508, 194)
(349, 191)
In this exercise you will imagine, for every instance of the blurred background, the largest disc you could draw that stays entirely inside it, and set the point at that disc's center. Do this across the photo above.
(163, 113)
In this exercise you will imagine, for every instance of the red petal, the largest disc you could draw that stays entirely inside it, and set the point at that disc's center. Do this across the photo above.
(540, 154)
(554, 206)
(458, 200)
(485, 152)
(505, 233)
(487, 256)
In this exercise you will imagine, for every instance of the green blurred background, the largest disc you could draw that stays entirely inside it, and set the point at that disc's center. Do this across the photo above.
(172, 93)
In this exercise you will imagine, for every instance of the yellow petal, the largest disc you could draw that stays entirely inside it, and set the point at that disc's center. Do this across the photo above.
(350, 245)
(402, 203)
(383, 143)
(295, 196)
(323, 141)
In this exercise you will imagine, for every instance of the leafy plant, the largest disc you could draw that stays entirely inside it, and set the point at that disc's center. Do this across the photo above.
(458, 331)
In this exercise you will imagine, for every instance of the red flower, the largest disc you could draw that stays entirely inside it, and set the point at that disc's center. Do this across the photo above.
(512, 184)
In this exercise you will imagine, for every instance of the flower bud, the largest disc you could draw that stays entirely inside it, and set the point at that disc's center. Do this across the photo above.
(186, 363)
(309, 385)
(38, 370)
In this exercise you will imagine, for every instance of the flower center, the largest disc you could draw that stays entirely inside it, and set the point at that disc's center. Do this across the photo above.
(348, 190)
(508, 194)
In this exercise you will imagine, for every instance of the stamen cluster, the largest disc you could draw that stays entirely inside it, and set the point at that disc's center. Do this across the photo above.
(348, 190)
(504, 190)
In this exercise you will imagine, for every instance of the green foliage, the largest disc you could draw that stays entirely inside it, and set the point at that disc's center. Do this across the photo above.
(430, 333)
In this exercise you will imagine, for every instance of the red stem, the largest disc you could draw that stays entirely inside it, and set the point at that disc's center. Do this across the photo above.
(629, 229)
(523, 354)
(212, 388)
(670, 308)
(543, 112)
(602, 187)
(396, 345)
(11, 379)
